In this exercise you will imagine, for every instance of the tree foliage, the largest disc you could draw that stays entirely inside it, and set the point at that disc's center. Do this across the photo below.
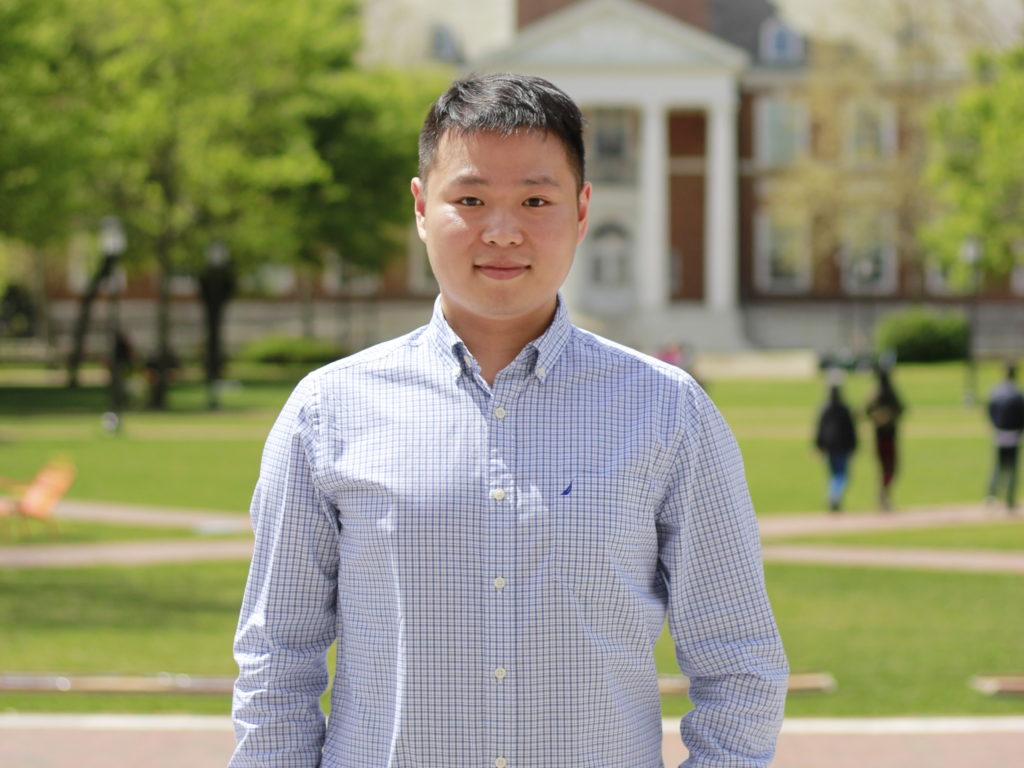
(197, 122)
(977, 169)
(45, 136)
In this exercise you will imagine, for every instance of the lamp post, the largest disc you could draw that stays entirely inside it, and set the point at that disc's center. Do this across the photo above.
(971, 252)
(216, 286)
(112, 245)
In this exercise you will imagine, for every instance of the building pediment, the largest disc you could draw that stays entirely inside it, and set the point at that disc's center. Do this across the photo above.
(603, 35)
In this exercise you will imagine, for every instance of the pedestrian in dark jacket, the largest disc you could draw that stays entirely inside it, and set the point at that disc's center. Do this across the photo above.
(1006, 414)
(884, 409)
(836, 438)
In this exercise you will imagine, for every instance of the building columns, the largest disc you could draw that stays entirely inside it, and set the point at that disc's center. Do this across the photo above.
(652, 233)
(721, 258)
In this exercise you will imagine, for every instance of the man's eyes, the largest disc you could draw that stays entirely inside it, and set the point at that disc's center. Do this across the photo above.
(530, 202)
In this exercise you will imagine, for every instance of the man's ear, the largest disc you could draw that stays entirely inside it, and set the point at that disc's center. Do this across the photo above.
(419, 195)
(583, 212)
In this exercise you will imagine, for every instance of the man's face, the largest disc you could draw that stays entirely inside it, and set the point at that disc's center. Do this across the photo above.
(501, 218)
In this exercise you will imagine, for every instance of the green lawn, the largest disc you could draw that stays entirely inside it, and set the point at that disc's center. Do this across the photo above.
(898, 642)
(191, 458)
(131, 621)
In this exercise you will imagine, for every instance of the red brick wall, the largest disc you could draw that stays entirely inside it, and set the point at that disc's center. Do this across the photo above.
(687, 140)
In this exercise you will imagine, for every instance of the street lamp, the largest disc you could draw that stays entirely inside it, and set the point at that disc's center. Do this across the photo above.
(112, 245)
(216, 287)
(971, 252)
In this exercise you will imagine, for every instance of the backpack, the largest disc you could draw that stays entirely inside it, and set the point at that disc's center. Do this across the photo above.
(1008, 412)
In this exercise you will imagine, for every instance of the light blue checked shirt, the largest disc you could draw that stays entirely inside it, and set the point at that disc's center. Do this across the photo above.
(496, 564)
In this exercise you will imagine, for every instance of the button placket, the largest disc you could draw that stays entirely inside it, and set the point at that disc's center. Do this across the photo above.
(500, 558)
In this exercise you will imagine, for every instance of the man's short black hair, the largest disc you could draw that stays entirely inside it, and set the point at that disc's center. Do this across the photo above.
(506, 104)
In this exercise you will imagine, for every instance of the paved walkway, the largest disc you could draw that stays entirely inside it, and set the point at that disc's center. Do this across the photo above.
(773, 527)
(172, 741)
(106, 741)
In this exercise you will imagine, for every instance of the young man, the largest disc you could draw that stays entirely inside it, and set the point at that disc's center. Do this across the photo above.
(493, 514)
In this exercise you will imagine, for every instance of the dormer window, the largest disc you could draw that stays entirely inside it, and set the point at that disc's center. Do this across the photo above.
(780, 44)
(445, 45)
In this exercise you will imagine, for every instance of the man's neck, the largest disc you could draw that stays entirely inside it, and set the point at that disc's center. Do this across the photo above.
(496, 343)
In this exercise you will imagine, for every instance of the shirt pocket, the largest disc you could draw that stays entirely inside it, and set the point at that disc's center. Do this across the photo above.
(603, 528)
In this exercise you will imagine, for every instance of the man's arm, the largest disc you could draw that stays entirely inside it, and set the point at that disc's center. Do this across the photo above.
(287, 621)
(725, 635)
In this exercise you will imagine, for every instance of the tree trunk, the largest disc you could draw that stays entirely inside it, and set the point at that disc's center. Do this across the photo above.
(217, 286)
(104, 271)
(42, 324)
(306, 306)
(162, 362)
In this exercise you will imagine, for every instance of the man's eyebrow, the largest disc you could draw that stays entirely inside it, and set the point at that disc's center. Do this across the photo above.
(472, 180)
(541, 181)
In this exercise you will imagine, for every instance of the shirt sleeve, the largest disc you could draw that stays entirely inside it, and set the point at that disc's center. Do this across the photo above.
(725, 635)
(287, 620)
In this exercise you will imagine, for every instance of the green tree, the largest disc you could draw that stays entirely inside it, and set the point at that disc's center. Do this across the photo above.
(977, 169)
(202, 110)
(45, 132)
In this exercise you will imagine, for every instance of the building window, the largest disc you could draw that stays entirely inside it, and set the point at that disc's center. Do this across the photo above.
(868, 256)
(780, 44)
(609, 259)
(782, 132)
(444, 45)
(611, 137)
(782, 255)
(870, 134)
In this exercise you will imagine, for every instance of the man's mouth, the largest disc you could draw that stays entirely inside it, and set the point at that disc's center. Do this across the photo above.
(501, 271)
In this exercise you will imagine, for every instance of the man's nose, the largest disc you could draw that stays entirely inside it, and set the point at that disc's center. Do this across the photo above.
(503, 229)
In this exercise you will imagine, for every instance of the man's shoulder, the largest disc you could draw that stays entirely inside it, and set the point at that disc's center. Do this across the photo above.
(350, 370)
(382, 354)
(611, 358)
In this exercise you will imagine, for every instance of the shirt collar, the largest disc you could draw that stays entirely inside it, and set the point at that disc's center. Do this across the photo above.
(540, 355)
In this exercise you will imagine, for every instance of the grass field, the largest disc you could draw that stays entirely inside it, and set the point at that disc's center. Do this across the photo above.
(898, 642)
(191, 458)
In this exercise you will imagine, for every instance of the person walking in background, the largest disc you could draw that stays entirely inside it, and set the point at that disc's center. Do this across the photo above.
(884, 409)
(836, 438)
(1006, 414)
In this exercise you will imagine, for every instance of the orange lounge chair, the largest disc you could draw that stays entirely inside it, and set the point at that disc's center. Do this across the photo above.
(37, 498)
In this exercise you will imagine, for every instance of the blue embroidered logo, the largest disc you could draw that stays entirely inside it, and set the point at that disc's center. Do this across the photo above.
(568, 489)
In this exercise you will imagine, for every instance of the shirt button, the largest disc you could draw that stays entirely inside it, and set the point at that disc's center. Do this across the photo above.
(541, 373)
(499, 583)
(501, 762)
(501, 673)
(498, 494)
(500, 413)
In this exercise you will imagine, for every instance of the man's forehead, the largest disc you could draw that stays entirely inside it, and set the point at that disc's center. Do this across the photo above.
(455, 139)
(456, 147)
